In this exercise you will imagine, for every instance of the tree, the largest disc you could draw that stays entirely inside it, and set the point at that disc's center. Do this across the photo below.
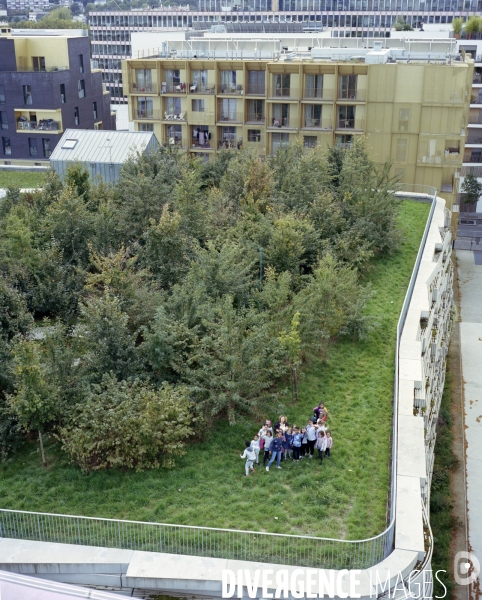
(401, 25)
(291, 342)
(472, 26)
(129, 425)
(457, 25)
(471, 189)
(34, 401)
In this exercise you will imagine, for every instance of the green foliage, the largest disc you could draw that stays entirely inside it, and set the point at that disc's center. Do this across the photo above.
(473, 25)
(401, 25)
(128, 425)
(457, 24)
(472, 189)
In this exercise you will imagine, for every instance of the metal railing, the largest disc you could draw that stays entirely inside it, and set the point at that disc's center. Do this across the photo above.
(255, 118)
(195, 88)
(283, 123)
(303, 551)
(475, 119)
(351, 94)
(136, 88)
(230, 89)
(315, 94)
(312, 123)
(256, 89)
(145, 115)
(42, 125)
(357, 124)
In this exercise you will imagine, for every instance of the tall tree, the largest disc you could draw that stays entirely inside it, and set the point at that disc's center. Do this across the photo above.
(471, 189)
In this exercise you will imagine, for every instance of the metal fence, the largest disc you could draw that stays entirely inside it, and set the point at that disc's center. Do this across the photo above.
(303, 551)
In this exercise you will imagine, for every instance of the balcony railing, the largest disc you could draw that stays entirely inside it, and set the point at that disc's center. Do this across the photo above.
(283, 123)
(477, 79)
(357, 124)
(42, 125)
(230, 117)
(452, 157)
(205, 143)
(43, 70)
(230, 89)
(195, 88)
(202, 118)
(173, 88)
(146, 115)
(323, 94)
(311, 123)
(282, 92)
(476, 100)
(230, 144)
(256, 89)
(350, 94)
(255, 118)
(474, 139)
(176, 143)
(135, 88)
(473, 158)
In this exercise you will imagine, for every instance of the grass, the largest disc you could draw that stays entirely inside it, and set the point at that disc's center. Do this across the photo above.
(344, 498)
(21, 179)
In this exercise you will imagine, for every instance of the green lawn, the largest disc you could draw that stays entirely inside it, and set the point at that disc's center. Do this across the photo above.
(344, 498)
(21, 179)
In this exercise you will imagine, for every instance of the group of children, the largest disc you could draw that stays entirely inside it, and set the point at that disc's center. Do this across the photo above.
(290, 442)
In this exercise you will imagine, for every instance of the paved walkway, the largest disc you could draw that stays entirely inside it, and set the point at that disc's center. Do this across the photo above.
(470, 281)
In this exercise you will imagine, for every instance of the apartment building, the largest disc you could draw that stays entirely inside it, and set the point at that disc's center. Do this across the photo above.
(411, 103)
(29, 5)
(46, 86)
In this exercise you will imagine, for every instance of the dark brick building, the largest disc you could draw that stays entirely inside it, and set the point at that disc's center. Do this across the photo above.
(46, 87)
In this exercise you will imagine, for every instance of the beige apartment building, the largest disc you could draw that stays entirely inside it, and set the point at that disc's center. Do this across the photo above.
(413, 108)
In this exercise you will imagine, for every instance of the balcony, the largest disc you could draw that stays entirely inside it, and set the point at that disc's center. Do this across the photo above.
(143, 89)
(475, 119)
(231, 117)
(255, 119)
(180, 143)
(352, 95)
(477, 80)
(41, 125)
(231, 89)
(195, 88)
(41, 70)
(473, 139)
(473, 158)
(324, 94)
(173, 88)
(202, 118)
(282, 92)
(354, 124)
(452, 155)
(145, 115)
(277, 123)
(230, 144)
(255, 89)
(310, 123)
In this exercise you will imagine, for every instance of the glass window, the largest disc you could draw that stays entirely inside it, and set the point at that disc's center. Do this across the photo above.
(281, 115)
(2, 95)
(46, 147)
(145, 108)
(348, 85)
(279, 140)
(38, 63)
(403, 119)
(198, 105)
(81, 63)
(27, 94)
(401, 150)
(3, 119)
(309, 141)
(254, 135)
(228, 137)
(173, 106)
(143, 80)
(313, 115)
(346, 117)
(145, 127)
(94, 109)
(227, 110)
(32, 146)
(256, 111)
(7, 147)
(201, 136)
(256, 83)
(281, 84)
(199, 81)
(76, 115)
(173, 80)
(63, 98)
(81, 88)
(314, 86)
(228, 81)
(174, 134)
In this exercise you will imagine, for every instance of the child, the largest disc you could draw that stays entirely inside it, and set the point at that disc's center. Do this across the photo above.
(288, 443)
(311, 437)
(304, 442)
(266, 427)
(297, 437)
(255, 447)
(329, 444)
(267, 438)
(250, 455)
(321, 445)
(276, 448)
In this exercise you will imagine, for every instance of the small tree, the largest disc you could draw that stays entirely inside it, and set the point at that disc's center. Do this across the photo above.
(401, 25)
(291, 342)
(472, 189)
(457, 25)
(472, 26)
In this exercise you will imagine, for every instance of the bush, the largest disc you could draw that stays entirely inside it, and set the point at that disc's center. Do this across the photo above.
(130, 425)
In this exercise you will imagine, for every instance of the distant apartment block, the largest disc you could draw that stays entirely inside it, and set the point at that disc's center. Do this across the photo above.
(29, 5)
(411, 101)
(47, 86)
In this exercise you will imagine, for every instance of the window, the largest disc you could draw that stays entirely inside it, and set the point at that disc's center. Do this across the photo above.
(281, 115)
(81, 63)
(81, 88)
(198, 105)
(173, 80)
(63, 97)
(145, 127)
(76, 115)
(2, 95)
(314, 86)
(309, 141)
(403, 119)
(313, 115)
(173, 106)
(227, 110)
(401, 150)
(174, 135)
(279, 140)
(348, 85)
(32, 146)
(7, 147)
(199, 81)
(145, 108)
(256, 82)
(228, 81)
(281, 84)
(254, 135)
(94, 110)
(38, 63)
(344, 141)
(228, 137)
(143, 80)
(3, 119)
(201, 136)
(256, 111)
(27, 94)
(46, 147)
(346, 117)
